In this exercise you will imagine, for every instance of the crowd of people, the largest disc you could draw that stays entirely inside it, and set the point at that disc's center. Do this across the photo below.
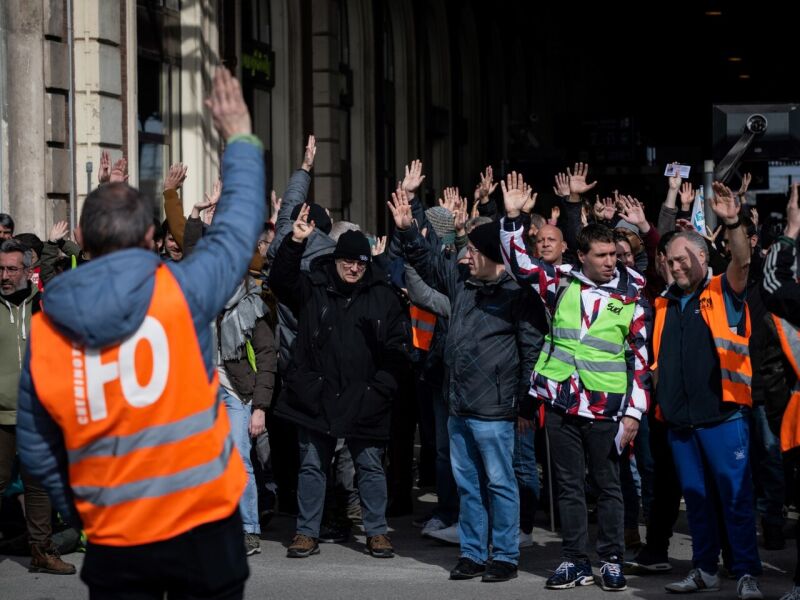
(625, 364)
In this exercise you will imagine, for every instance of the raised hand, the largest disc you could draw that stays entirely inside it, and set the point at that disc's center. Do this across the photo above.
(514, 195)
(675, 179)
(687, 195)
(208, 213)
(577, 179)
(211, 199)
(746, 179)
(104, 171)
(754, 217)
(555, 212)
(58, 231)
(119, 172)
(301, 228)
(486, 185)
(793, 213)
(530, 201)
(380, 245)
(632, 211)
(603, 209)
(724, 203)
(275, 204)
(561, 188)
(401, 209)
(451, 199)
(460, 217)
(175, 176)
(310, 153)
(413, 178)
(228, 109)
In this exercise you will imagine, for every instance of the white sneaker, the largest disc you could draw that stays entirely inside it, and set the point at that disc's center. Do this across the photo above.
(696, 581)
(433, 524)
(793, 594)
(448, 535)
(747, 588)
(525, 539)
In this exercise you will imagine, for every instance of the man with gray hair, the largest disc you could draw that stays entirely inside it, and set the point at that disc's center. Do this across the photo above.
(702, 361)
(21, 300)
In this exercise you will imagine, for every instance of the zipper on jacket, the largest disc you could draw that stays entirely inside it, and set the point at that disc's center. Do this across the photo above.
(497, 383)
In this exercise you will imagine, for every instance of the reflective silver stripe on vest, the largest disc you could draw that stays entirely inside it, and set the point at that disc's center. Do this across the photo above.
(120, 445)
(425, 326)
(159, 486)
(587, 340)
(597, 366)
(732, 346)
(602, 345)
(735, 377)
(566, 334)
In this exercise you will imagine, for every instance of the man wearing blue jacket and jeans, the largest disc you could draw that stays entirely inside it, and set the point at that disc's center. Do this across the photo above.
(180, 466)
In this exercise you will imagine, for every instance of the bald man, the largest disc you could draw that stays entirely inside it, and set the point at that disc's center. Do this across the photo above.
(550, 244)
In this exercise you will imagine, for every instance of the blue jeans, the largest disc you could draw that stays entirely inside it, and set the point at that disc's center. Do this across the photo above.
(482, 453)
(316, 454)
(239, 417)
(718, 456)
(771, 490)
(527, 478)
(446, 492)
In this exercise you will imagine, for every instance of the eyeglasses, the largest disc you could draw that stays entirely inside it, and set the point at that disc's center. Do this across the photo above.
(11, 270)
(473, 250)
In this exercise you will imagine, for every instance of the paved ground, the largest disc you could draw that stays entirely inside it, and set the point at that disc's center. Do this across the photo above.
(419, 571)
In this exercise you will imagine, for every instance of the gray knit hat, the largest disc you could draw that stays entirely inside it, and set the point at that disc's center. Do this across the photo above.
(441, 220)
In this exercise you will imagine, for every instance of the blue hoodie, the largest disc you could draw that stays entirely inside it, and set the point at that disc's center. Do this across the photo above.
(105, 300)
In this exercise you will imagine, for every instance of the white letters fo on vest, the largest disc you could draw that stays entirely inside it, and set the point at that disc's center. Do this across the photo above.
(98, 374)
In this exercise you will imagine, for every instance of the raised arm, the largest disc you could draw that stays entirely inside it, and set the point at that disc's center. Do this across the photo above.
(727, 210)
(781, 290)
(542, 277)
(296, 193)
(211, 273)
(173, 207)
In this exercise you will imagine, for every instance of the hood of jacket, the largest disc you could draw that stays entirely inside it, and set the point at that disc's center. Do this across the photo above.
(104, 300)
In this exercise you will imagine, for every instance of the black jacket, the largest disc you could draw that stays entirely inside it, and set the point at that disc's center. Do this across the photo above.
(494, 336)
(349, 353)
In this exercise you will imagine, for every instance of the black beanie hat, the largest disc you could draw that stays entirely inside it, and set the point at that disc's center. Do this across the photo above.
(353, 245)
(486, 239)
(317, 214)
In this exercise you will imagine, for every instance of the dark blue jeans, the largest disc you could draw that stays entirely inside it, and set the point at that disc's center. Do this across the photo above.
(316, 453)
(718, 456)
(527, 478)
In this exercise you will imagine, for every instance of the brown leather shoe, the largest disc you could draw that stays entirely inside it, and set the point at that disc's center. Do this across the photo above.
(45, 558)
(380, 546)
(302, 546)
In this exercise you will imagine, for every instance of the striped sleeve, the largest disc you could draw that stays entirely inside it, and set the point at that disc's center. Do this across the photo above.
(781, 290)
(638, 336)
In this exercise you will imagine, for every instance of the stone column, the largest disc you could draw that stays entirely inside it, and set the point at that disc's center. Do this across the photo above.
(26, 136)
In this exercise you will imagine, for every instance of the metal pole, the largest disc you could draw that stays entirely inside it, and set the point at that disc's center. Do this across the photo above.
(550, 481)
(73, 203)
(88, 177)
(708, 179)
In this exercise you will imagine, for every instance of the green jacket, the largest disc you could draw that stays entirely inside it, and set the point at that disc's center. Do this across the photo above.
(15, 326)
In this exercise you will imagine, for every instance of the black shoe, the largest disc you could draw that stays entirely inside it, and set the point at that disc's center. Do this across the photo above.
(467, 569)
(500, 570)
(334, 533)
(651, 561)
(773, 537)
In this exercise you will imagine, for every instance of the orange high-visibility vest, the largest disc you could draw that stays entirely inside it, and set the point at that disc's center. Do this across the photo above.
(732, 348)
(147, 438)
(422, 325)
(790, 342)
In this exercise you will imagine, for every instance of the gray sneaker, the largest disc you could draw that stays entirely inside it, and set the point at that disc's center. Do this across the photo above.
(696, 581)
(252, 544)
(747, 588)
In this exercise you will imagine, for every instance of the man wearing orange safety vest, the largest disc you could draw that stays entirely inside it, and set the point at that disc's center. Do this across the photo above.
(119, 413)
(700, 347)
(781, 293)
